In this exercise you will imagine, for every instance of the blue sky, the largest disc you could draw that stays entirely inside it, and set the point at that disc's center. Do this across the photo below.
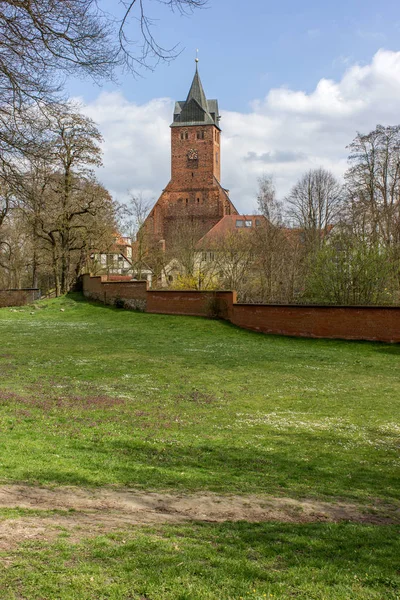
(245, 48)
(295, 82)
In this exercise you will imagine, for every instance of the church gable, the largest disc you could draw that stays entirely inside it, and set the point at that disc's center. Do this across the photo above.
(192, 112)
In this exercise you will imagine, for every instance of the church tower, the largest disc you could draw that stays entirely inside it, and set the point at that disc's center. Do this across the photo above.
(195, 139)
(194, 192)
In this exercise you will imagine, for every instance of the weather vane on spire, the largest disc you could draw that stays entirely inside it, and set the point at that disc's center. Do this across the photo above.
(197, 55)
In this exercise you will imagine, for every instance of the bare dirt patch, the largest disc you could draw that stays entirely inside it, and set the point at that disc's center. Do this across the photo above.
(106, 509)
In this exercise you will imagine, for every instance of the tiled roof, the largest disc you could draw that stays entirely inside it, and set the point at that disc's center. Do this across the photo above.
(230, 224)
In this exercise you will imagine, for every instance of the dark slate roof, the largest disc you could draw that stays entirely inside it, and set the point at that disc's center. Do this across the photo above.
(197, 92)
(196, 109)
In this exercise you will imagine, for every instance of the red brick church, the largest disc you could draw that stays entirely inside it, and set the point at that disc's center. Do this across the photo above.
(194, 192)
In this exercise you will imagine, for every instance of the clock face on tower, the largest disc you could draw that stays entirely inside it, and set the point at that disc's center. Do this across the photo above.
(192, 154)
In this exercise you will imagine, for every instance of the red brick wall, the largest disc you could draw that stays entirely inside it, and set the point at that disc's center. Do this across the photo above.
(124, 290)
(92, 288)
(133, 293)
(348, 322)
(193, 303)
(18, 297)
(111, 277)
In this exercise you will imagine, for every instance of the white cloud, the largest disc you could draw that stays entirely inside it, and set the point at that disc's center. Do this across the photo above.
(136, 143)
(286, 133)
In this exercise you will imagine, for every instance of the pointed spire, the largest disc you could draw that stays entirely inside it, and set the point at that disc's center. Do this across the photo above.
(197, 92)
(196, 109)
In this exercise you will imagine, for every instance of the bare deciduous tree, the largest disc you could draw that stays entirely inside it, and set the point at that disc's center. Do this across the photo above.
(184, 235)
(268, 205)
(134, 214)
(65, 210)
(43, 41)
(146, 52)
(373, 184)
(233, 257)
(5, 200)
(277, 266)
(315, 202)
(352, 271)
(73, 150)
(40, 41)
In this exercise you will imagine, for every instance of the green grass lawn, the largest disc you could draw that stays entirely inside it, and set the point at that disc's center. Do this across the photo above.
(94, 396)
(226, 561)
(91, 396)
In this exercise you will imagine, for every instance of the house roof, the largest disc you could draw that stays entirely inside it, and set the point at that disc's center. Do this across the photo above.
(120, 244)
(231, 224)
(196, 109)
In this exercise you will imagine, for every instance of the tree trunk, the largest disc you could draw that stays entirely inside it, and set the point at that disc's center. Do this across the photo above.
(34, 269)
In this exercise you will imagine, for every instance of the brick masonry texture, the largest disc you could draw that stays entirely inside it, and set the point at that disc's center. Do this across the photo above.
(132, 293)
(371, 323)
(18, 297)
(194, 191)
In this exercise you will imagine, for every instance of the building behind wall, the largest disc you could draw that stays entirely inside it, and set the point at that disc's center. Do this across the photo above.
(194, 192)
(116, 260)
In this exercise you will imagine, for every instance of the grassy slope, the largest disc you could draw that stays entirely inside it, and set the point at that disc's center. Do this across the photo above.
(92, 396)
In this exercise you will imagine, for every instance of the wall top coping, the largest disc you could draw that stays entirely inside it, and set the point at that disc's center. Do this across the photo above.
(168, 291)
(21, 290)
(346, 306)
(127, 281)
